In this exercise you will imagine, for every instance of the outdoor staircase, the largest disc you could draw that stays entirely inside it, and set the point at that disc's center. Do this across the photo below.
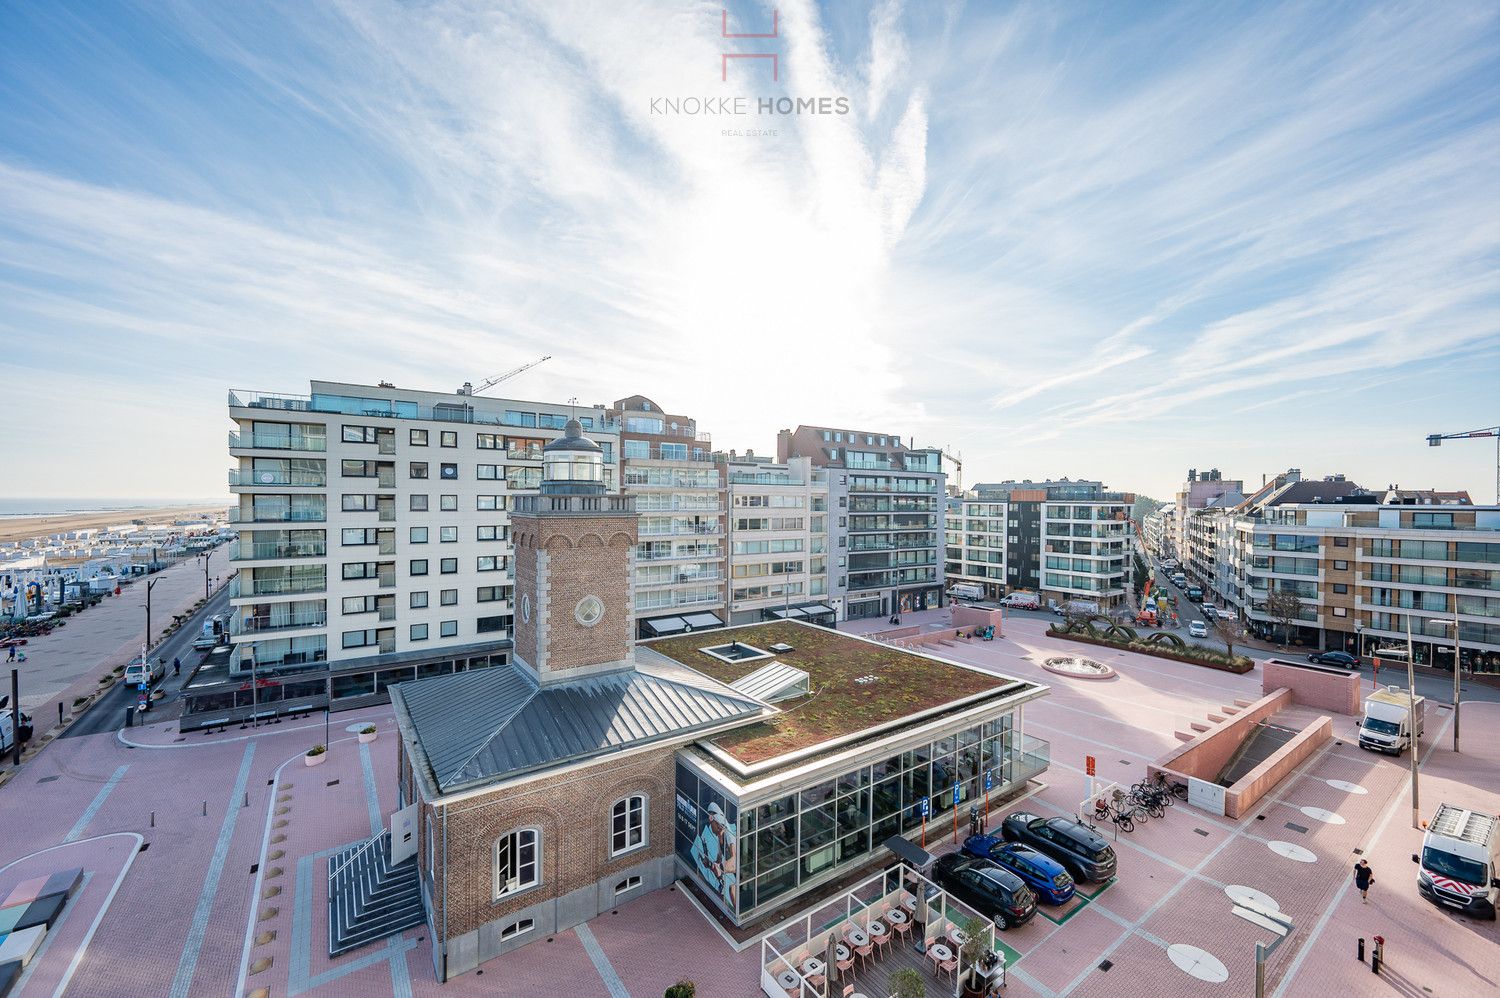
(368, 899)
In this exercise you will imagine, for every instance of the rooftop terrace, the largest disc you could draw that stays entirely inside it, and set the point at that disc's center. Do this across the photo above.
(857, 684)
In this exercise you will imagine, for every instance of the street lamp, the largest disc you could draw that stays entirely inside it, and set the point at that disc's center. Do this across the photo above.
(1454, 624)
(1411, 717)
(203, 560)
(150, 584)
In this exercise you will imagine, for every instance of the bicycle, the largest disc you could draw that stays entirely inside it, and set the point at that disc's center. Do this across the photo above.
(1151, 803)
(1178, 790)
(1103, 812)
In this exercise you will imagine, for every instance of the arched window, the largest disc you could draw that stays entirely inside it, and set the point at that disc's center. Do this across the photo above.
(517, 861)
(627, 827)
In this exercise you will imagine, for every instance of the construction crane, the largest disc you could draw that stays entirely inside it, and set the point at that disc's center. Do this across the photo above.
(469, 389)
(1436, 440)
(958, 467)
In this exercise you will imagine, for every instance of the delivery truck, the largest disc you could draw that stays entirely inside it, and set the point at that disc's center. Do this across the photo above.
(1390, 720)
(1457, 865)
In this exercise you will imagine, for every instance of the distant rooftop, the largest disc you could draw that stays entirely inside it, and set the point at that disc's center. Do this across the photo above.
(857, 685)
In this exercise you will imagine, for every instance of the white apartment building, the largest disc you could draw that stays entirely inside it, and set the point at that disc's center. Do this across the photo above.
(680, 566)
(1158, 528)
(778, 541)
(1195, 494)
(374, 527)
(976, 530)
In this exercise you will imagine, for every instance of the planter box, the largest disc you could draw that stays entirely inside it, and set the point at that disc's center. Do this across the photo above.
(315, 760)
(365, 739)
(1158, 653)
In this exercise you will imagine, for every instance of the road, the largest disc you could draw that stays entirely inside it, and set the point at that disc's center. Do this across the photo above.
(108, 712)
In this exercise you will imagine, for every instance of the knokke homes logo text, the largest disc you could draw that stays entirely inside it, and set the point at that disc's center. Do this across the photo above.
(765, 60)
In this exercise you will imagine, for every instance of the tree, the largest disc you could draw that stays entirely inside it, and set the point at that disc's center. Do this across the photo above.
(1229, 631)
(907, 984)
(682, 989)
(1283, 607)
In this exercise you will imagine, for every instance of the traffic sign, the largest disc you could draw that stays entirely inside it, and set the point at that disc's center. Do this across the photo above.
(1090, 764)
(143, 687)
(989, 780)
(955, 793)
(926, 807)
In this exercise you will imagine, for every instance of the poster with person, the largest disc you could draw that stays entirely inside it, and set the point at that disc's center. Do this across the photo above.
(714, 853)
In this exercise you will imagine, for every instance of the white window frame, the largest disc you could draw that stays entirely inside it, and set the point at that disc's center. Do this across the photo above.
(520, 928)
(512, 887)
(642, 826)
(627, 885)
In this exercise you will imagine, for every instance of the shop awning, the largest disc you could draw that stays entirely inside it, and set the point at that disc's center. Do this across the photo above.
(817, 609)
(909, 851)
(791, 613)
(665, 625)
(698, 621)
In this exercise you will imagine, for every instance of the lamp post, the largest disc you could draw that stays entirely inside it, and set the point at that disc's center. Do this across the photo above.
(150, 584)
(1454, 624)
(1411, 718)
(203, 559)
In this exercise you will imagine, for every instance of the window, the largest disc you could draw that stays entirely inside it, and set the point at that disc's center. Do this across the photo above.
(514, 418)
(448, 597)
(635, 449)
(355, 536)
(359, 503)
(417, 535)
(516, 866)
(491, 533)
(417, 438)
(627, 885)
(448, 472)
(489, 472)
(489, 441)
(1340, 611)
(359, 604)
(360, 639)
(419, 632)
(448, 438)
(486, 503)
(358, 469)
(1340, 588)
(419, 469)
(418, 599)
(448, 504)
(490, 563)
(490, 625)
(1436, 520)
(552, 421)
(627, 827)
(419, 566)
(644, 424)
(516, 929)
(419, 504)
(359, 435)
(448, 628)
(1341, 542)
(448, 566)
(492, 594)
(447, 535)
(361, 570)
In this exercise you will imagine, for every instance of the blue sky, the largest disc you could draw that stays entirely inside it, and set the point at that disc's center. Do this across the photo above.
(1097, 240)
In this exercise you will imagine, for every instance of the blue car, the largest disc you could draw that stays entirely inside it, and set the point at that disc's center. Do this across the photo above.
(1040, 872)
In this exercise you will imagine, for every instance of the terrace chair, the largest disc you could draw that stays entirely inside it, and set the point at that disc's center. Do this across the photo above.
(866, 951)
(845, 966)
(950, 967)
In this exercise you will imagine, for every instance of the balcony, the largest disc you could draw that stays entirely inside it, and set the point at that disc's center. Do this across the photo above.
(386, 580)
(387, 613)
(277, 516)
(276, 441)
(272, 550)
(387, 514)
(246, 478)
(662, 601)
(679, 579)
(699, 554)
(470, 412)
(683, 530)
(1032, 760)
(283, 622)
(652, 503)
(283, 587)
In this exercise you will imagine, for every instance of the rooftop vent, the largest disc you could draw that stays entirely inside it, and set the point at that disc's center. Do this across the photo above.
(774, 682)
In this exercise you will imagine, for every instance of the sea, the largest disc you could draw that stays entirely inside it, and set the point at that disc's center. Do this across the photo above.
(57, 506)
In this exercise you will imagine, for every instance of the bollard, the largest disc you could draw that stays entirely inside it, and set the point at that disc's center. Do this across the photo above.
(129, 717)
(153, 819)
(1361, 949)
(247, 799)
(205, 809)
(59, 713)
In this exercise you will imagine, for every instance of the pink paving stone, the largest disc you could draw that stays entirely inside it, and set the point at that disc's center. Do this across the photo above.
(559, 967)
(649, 960)
(1071, 948)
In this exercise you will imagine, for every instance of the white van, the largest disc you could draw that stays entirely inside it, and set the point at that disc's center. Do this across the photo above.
(966, 590)
(1022, 601)
(150, 672)
(1458, 864)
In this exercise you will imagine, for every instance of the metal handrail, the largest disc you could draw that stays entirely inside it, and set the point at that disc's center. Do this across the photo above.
(354, 855)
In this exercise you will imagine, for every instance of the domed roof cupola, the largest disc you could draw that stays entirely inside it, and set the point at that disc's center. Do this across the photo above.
(572, 464)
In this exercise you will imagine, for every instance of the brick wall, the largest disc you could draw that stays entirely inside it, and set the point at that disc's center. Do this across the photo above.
(573, 814)
(1205, 756)
(523, 533)
(973, 616)
(1250, 788)
(1314, 687)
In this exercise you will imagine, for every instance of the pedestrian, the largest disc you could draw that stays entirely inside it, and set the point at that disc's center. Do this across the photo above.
(12, 656)
(176, 666)
(1363, 878)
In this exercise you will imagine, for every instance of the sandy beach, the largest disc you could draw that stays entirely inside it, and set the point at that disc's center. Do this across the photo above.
(19, 528)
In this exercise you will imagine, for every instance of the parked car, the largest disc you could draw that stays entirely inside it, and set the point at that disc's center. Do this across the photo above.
(7, 726)
(1081, 850)
(1198, 629)
(1022, 601)
(149, 672)
(1340, 658)
(985, 886)
(1043, 874)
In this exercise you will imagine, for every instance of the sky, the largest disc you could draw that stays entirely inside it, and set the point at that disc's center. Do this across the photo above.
(1108, 241)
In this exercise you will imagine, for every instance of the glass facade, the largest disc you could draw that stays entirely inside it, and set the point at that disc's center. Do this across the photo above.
(798, 837)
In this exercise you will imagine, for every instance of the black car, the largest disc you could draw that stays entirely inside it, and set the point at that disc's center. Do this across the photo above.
(1342, 658)
(1080, 849)
(987, 887)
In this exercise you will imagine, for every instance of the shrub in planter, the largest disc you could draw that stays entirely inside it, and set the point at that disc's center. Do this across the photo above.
(367, 734)
(316, 756)
(80, 701)
(907, 984)
(682, 989)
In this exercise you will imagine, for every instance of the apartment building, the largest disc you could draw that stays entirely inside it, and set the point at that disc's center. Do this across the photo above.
(1158, 528)
(887, 506)
(668, 465)
(1195, 494)
(1366, 566)
(374, 531)
(1202, 533)
(976, 538)
(778, 541)
(1063, 539)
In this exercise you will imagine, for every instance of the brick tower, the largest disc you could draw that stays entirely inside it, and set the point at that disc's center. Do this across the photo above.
(575, 562)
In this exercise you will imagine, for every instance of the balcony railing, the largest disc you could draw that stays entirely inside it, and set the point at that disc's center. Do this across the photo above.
(1032, 760)
(282, 587)
(287, 622)
(467, 412)
(262, 551)
(683, 530)
(659, 601)
(276, 441)
(679, 579)
(246, 477)
(387, 580)
(693, 555)
(387, 613)
(277, 516)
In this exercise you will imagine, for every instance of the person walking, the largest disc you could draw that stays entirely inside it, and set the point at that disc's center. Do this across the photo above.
(176, 666)
(1364, 876)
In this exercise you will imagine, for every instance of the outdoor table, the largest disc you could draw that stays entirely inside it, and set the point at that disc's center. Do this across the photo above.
(908, 900)
(813, 967)
(857, 937)
(940, 953)
(841, 951)
(957, 936)
(789, 980)
(899, 917)
(878, 929)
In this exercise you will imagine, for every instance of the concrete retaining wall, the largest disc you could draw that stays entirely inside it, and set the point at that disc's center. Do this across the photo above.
(1241, 798)
(1314, 686)
(1205, 756)
(970, 617)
